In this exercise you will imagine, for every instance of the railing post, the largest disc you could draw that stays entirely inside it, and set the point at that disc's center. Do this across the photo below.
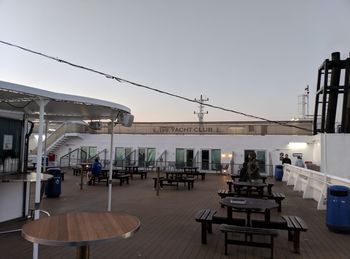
(158, 183)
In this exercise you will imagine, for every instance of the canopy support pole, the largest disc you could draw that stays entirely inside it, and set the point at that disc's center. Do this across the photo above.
(113, 117)
(41, 104)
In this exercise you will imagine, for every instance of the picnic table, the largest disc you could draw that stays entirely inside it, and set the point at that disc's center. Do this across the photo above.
(248, 206)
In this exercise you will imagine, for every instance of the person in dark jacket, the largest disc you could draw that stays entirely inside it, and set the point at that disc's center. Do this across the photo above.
(243, 175)
(286, 160)
(95, 171)
(253, 167)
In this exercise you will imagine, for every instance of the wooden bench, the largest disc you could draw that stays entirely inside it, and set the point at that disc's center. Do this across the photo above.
(122, 178)
(174, 182)
(293, 224)
(223, 193)
(236, 176)
(278, 197)
(188, 180)
(249, 233)
(197, 173)
(207, 217)
(143, 174)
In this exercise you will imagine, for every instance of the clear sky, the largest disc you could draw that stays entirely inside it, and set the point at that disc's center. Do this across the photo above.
(254, 56)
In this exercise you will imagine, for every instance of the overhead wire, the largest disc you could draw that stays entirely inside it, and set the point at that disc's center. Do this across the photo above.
(121, 80)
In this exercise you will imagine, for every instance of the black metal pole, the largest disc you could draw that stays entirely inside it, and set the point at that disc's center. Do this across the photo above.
(346, 100)
(333, 93)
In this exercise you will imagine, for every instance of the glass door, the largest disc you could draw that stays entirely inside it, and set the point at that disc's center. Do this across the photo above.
(151, 157)
(215, 159)
(119, 156)
(180, 158)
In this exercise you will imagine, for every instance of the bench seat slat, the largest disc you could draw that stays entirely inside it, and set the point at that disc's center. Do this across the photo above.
(249, 230)
(295, 222)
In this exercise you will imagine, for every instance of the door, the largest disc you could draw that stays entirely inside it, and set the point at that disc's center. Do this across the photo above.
(151, 157)
(119, 156)
(205, 159)
(189, 157)
(215, 159)
(141, 157)
(180, 158)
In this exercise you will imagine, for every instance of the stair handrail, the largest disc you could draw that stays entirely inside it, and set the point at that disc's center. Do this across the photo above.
(66, 127)
(68, 155)
(104, 151)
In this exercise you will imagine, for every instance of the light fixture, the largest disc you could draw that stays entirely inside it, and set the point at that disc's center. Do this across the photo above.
(223, 155)
(297, 145)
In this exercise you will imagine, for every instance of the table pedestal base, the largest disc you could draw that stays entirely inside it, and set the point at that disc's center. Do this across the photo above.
(83, 252)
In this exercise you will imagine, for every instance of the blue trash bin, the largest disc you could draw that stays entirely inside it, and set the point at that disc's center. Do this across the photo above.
(278, 172)
(338, 208)
(53, 185)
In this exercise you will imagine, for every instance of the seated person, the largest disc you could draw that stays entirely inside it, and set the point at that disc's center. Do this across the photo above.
(95, 171)
(243, 175)
(253, 167)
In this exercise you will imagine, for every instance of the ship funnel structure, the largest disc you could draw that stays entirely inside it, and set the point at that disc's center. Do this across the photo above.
(333, 81)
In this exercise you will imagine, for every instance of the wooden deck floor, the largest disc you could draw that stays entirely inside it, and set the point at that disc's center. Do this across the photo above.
(168, 229)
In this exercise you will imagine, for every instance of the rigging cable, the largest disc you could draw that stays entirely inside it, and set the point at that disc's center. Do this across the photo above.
(121, 80)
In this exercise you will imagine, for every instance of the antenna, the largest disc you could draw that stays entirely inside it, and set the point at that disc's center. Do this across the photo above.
(201, 112)
(307, 92)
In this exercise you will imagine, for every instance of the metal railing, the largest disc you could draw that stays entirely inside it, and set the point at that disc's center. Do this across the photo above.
(228, 168)
(73, 158)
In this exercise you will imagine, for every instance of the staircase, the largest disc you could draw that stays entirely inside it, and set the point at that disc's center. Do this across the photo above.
(66, 131)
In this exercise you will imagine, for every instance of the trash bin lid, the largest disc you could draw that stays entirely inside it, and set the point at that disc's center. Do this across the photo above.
(338, 188)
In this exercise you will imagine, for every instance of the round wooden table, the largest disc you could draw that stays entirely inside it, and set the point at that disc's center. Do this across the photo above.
(80, 229)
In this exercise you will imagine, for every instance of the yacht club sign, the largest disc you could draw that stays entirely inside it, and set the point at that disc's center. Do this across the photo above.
(184, 130)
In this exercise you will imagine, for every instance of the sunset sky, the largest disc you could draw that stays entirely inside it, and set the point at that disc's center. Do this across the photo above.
(252, 56)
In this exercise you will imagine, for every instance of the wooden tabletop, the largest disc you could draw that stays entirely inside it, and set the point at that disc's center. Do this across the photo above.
(248, 203)
(80, 228)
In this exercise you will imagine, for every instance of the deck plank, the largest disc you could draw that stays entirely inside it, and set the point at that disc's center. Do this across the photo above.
(168, 228)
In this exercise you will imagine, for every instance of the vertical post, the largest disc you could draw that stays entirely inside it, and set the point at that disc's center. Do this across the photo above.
(158, 183)
(333, 93)
(45, 141)
(317, 100)
(110, 165)
(324, 96)
(41, 104)
(346, 99)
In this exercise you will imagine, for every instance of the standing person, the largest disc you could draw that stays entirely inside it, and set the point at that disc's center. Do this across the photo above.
(253, 167)
(286, 160)
(299, 162)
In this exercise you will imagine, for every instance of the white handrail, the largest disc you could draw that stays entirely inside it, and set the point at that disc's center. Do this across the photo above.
(313, 184)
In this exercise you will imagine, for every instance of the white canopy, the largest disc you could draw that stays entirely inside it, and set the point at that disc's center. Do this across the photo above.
(14, 97)
(37, 103)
